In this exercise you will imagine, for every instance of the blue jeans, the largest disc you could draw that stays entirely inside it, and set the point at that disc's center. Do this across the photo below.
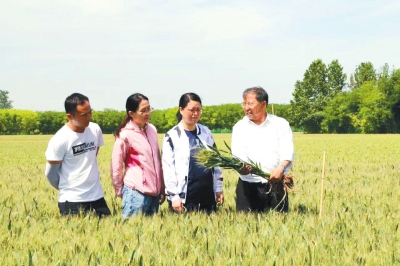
(135, 202)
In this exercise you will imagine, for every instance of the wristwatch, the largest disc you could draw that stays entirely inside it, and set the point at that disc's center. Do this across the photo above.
(284, 167)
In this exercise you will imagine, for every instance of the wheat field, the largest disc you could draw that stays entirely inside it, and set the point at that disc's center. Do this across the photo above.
(359, 223)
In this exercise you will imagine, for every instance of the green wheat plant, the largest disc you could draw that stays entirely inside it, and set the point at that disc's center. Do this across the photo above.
(359, 226)
(213, 157)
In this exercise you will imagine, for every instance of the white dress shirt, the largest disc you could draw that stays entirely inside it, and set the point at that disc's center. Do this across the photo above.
(268, 144)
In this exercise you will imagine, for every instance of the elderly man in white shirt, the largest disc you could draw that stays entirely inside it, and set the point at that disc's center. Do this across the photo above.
(265, 139)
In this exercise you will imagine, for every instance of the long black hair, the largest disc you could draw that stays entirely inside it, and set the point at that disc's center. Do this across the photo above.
(184, 100)
(132, 104)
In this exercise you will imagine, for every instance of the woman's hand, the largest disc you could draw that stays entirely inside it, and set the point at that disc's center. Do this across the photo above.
(162, 198)
(220, 198)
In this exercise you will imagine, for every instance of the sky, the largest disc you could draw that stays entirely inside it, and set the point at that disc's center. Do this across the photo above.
(110, 49)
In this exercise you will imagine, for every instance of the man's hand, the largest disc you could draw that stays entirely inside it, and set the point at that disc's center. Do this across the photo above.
(245, 170)
(276, 174)
(177, 205)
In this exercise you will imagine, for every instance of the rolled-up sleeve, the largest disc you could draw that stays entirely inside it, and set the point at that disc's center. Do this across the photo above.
(286, 147)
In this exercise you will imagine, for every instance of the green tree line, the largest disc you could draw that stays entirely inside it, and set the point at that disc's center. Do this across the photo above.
(323, 102)
(219, 118)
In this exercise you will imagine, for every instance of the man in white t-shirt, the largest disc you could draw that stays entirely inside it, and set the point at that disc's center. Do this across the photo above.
(72, 166)
(265, 139)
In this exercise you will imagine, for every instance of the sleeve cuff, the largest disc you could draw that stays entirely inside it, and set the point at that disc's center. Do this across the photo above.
(174, 197)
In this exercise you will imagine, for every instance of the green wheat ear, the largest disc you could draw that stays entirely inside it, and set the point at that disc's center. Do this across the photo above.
(227, 146)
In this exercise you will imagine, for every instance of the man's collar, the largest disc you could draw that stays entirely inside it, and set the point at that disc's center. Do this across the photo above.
(267, 119)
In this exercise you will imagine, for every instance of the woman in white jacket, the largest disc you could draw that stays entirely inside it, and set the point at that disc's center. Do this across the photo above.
(188, 185)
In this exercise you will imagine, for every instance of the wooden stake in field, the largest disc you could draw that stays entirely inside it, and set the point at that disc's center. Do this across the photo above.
(322, 185)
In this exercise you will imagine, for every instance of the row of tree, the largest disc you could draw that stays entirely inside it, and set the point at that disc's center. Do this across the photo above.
(218, 118)
(322, 103)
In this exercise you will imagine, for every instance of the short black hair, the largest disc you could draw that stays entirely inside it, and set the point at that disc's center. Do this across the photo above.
(73, 101)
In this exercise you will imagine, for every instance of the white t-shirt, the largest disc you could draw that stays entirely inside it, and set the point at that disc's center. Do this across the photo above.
(266, 144)
(79, 171)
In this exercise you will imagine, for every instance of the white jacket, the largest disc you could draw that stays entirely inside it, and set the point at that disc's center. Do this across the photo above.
(176, 158)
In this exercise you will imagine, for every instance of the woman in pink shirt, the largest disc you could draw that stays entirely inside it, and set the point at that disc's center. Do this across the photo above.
(135, 162)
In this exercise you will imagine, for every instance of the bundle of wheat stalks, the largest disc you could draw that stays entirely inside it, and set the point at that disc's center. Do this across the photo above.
(212, 157)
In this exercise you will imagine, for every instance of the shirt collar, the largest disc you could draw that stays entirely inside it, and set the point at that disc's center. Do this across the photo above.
(266, 121)
(133, 125)
(198, 131)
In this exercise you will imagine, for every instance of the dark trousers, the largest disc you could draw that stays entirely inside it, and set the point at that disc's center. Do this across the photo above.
(98, 206)
(258, 197)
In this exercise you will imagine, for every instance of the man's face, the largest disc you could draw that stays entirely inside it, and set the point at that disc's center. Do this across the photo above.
(253, 109)
(82, 115)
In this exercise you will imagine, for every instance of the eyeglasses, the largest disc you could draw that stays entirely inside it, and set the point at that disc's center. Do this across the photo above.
(146, 110)
(192, 111)
(249, 105)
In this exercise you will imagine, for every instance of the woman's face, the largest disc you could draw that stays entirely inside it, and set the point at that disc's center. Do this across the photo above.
(191, 113)
(142, 115)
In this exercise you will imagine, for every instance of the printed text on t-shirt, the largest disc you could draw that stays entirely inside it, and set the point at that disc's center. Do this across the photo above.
(82, 148)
